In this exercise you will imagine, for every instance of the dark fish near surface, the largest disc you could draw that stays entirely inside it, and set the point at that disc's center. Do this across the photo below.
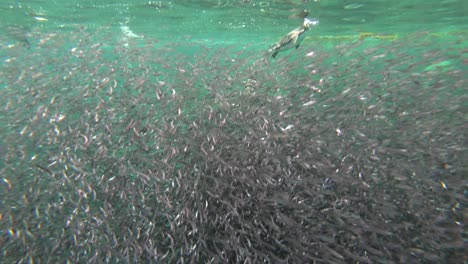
(18, 33)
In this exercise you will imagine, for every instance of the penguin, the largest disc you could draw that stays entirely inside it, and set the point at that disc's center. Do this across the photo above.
(293, 38)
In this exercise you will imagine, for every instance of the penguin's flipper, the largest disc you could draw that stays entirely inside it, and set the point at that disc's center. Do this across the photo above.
(274, 54)
(297, 46)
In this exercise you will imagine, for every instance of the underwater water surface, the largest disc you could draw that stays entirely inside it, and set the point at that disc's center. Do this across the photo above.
(165, 132)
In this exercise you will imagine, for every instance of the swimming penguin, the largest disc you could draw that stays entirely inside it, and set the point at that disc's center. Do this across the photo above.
(293, 38)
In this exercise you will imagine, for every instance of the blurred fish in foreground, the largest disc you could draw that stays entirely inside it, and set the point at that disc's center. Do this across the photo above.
(20, 34)
(140, 153)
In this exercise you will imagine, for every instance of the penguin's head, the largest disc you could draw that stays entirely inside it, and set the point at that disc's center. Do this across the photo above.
(310, 22)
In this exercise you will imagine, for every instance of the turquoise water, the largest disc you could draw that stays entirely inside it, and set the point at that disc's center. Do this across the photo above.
(238, 21)
(164, 132)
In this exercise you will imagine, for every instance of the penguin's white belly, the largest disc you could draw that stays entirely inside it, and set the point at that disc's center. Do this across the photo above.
(293, 44)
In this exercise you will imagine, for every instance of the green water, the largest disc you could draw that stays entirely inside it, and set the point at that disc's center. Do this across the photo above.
(239, 21)
(164, 132)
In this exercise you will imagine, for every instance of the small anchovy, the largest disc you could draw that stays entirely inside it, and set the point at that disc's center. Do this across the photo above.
(19, 33)
(293, 38)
